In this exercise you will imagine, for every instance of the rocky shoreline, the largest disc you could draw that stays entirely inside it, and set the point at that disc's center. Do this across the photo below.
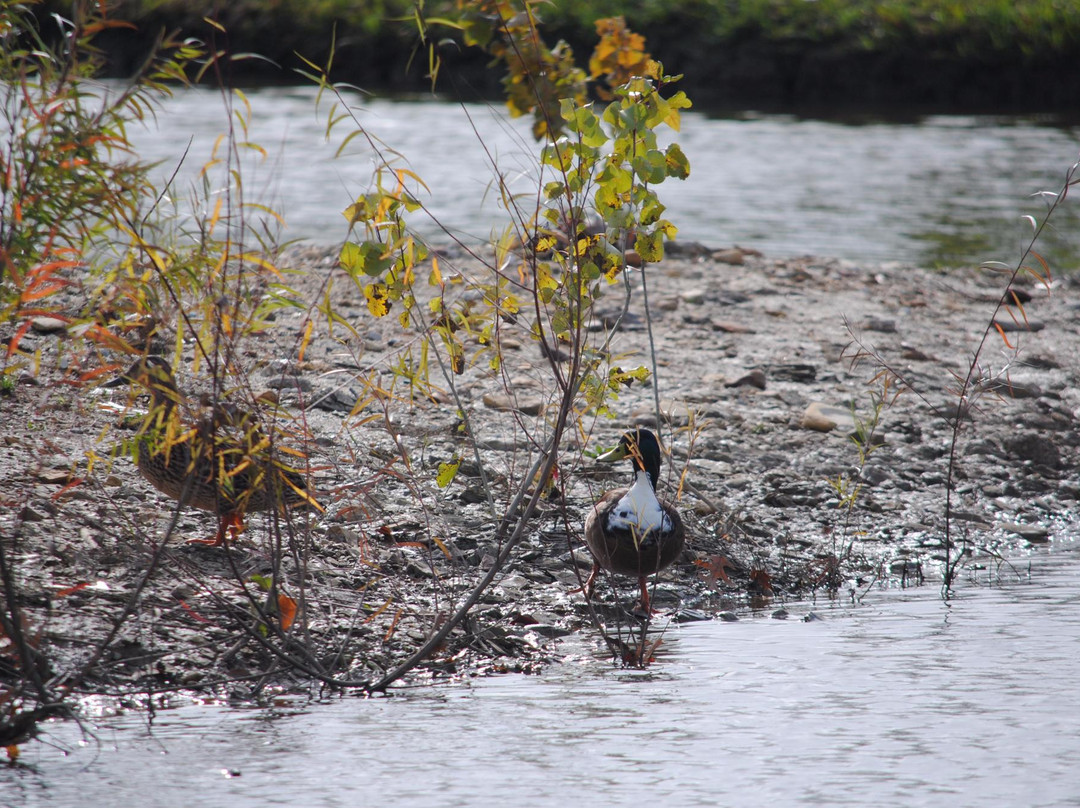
(758, 398)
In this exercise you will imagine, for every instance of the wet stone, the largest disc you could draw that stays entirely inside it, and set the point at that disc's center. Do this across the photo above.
(1036, 534)
(1034, 447)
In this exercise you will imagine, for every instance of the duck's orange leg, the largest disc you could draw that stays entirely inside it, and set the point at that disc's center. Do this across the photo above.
(590, 583)
(231, 524)
(646, 602)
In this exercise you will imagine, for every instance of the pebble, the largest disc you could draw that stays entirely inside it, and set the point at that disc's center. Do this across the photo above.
(47, 325)
(1009, 325)
(290, 383)
(28, 514)
(729, 327)
(549, 630)
(675, 413)
(504, 402)
(54, 476)
(1011, 389)
(823, 417)
(794, 372)
(340, 533)
(691, 616)
(1034, 447)
(917, 355)
(336, 400)
(738, 481)
(735, 257)
(1036, 534)
(755, 378)
(880, 324)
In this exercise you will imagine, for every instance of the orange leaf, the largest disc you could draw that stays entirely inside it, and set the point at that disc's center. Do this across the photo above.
(102, 336)
(287, 610)
(72, 483)
(13, 345)
(71, 590)
(716, 567)
(192, 612)
(761, 582)
(31, 294)
(1001, 331)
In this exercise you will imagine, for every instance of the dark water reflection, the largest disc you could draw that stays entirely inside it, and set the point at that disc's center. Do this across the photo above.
(900, 701)
(942, 190)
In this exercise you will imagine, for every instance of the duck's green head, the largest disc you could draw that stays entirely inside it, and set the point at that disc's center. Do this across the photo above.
(643, 449)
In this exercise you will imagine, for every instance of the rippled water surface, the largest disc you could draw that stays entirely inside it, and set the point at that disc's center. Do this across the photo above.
(900, 701)
(939, 190)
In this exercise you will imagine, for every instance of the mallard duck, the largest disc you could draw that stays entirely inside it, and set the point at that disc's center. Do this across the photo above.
(220, 464)
(629, 530)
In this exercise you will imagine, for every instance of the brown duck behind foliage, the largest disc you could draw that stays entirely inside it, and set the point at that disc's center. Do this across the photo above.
(222, 464)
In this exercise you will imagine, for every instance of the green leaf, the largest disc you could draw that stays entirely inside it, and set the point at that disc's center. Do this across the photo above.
(366, 257)
(677, 164)
(553, 190)
(651, 211)
(363, 209)
(559, 154)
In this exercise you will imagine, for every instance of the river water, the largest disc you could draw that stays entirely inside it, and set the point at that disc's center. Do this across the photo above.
(938, 190)
(899, 700)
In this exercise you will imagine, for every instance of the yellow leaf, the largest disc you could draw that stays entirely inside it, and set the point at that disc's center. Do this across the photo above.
(544, 279)
(378, 301)
(447, 472)
(546, 244)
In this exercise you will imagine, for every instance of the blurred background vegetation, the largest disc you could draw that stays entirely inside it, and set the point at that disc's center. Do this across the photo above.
(947, 55)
